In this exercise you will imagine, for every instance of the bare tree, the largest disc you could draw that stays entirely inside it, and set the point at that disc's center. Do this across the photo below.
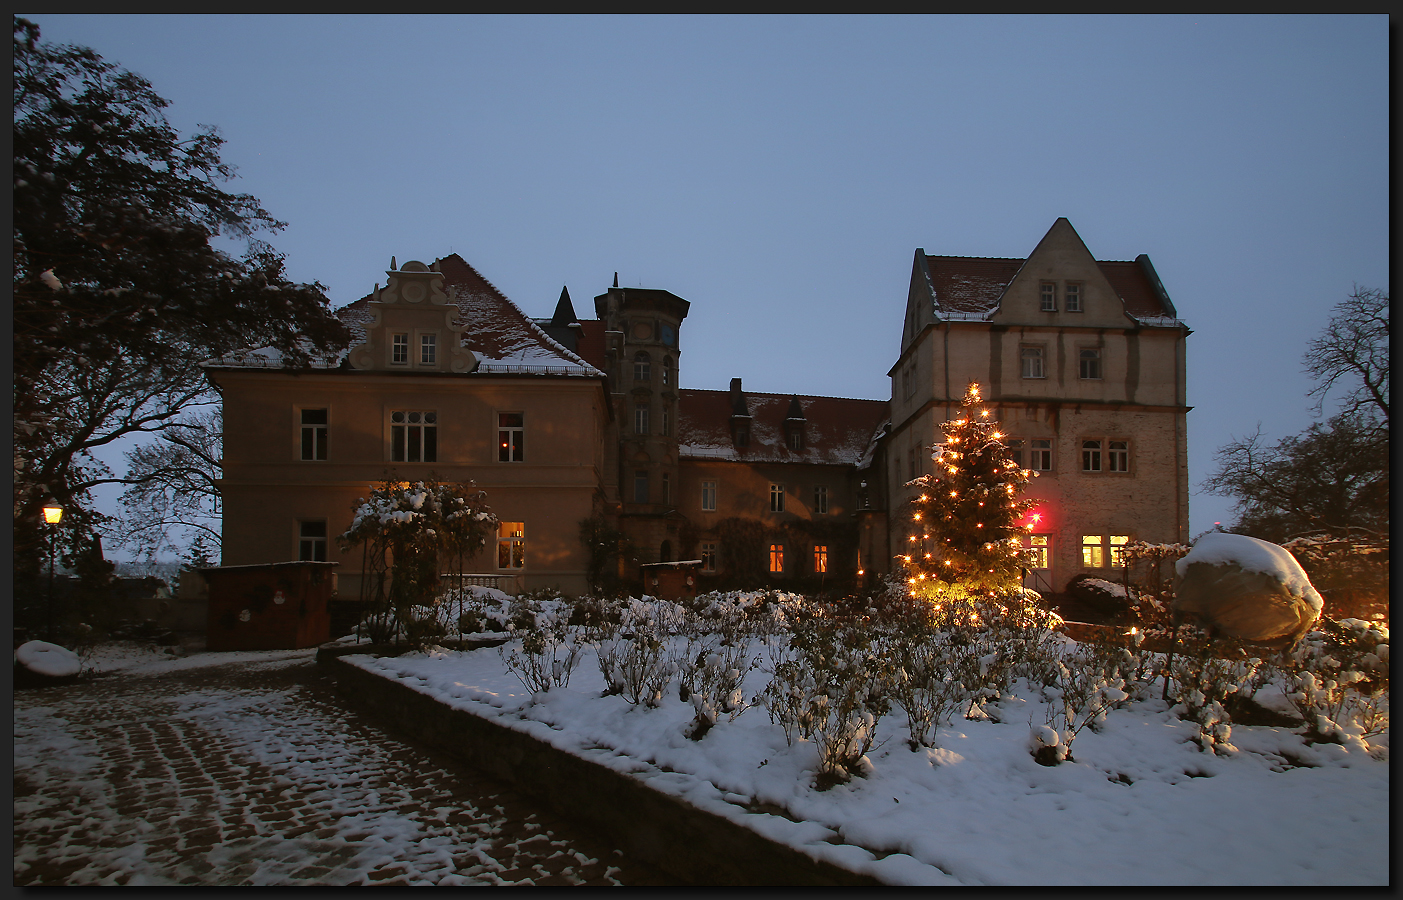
(1354, 346)
(174, 488)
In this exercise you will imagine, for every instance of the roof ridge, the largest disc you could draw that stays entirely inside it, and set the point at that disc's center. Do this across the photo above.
(784, 395)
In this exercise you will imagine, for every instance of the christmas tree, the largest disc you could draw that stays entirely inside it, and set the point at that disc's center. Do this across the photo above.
(967, 535)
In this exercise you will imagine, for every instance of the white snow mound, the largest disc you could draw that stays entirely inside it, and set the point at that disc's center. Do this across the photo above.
(44, 658)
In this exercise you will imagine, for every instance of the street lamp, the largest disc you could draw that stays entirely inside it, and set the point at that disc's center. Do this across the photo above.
(53, 514)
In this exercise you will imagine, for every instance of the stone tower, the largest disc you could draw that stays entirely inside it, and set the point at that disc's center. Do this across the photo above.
(642, 361)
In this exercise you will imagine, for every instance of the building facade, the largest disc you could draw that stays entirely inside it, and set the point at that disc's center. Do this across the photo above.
(1083, 362)
(560, 420)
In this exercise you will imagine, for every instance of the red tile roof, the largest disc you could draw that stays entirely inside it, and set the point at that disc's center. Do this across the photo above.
(970, 284)
(837, 430)
(503, 337)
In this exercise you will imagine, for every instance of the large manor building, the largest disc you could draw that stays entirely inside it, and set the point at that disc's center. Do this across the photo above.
(563, 419)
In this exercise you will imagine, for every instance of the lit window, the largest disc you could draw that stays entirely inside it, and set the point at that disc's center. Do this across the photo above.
(820, 499)
(311, 540)
(708, 496)
(428, 349)
(1090, 363)
(413, 436)
(776, 498)
(776, 558)
(640, 419)
(642, 370)
(640, 486)
(511, 437)
(1118, 456)
(1033, 362)
(1118, 542)
(820, 558)
(708, 556)
(511, 545)
(314, 434)
(1049, 297)
(1037, 551)
(1093, 553)
(1091, 456)
(399, 349)
(1040, 455)
(1073, 297)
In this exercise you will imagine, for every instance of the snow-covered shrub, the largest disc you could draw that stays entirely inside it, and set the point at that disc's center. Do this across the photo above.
(474, 609)
(711, 668)
(830, 688)
(630, 640)
(550, 647)
(755, 612)
(1202, 678)
(1089, 684)
(1337, 678)
(933, 674)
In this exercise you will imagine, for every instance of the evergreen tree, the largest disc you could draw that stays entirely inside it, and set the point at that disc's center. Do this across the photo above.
(966, 534)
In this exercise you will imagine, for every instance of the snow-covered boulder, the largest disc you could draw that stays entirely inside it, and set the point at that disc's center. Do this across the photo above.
(1245, 588)
(45, 663)
(1105, 597)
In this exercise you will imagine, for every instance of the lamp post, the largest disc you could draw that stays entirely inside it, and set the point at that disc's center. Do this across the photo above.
(53, 514)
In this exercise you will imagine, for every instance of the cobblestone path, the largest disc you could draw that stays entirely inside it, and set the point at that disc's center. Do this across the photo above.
(254, 774)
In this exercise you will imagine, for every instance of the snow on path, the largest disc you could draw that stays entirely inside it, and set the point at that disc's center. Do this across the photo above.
(193, 771)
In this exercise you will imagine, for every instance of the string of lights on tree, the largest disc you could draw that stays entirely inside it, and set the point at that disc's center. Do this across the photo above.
(967, 522)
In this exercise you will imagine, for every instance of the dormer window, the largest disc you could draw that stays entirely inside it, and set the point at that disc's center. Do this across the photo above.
(399, 349)
(796, 439)
(428, 349)
(742, 434)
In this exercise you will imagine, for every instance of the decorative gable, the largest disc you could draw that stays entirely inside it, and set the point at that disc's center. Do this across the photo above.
(414, 326)
(1061, 285)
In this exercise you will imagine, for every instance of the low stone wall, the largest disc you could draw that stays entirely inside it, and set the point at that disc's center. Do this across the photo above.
(695, 846)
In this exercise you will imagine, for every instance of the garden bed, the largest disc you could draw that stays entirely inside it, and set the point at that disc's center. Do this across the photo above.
(1136, 803)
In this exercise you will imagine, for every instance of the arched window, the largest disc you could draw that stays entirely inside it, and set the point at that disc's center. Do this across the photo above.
(642, 371)
(665, 552)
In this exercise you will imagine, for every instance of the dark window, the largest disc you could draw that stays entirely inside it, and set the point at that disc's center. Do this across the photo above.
(1090, 362)
(314, 425)
(413, 436)
(511, 437)
(311, 540)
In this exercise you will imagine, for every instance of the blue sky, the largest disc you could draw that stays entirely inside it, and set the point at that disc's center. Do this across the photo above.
(779, 172)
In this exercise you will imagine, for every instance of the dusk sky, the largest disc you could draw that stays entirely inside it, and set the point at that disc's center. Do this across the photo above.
(780, 172)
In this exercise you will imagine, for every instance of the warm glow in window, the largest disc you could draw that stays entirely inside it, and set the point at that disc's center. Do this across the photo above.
(776, 558)
(511, 545)
(820, 558)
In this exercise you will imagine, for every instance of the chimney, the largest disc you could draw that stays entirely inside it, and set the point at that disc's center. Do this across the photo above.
(738, 399)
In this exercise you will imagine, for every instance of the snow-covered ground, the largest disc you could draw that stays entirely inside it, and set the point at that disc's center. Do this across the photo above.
(1139, 803)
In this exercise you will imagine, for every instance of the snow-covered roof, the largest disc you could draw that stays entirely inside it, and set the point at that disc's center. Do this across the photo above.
(837, 430)
(969, 287)
(272, 358)
(502, 337)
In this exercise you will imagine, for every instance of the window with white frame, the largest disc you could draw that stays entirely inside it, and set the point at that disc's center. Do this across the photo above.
(1118, 456)
(1049, 296)
(820, 499)
(511, 437)
(314, 430)
(1040, 454)
(511, 545)
(1093, 551)
(413, 436)
(776, 498)
(642, 366)
(1032, 357)
(1036, 551)
(1091, 456)
(1072, 296)
(399, 349)
(708, 556)
(640, 418)
(428, 349)
(311, 540)
(708, 498)
(1090, 363)
(776, 559)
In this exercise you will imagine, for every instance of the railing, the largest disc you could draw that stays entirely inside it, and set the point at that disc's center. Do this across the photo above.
(475, 580)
